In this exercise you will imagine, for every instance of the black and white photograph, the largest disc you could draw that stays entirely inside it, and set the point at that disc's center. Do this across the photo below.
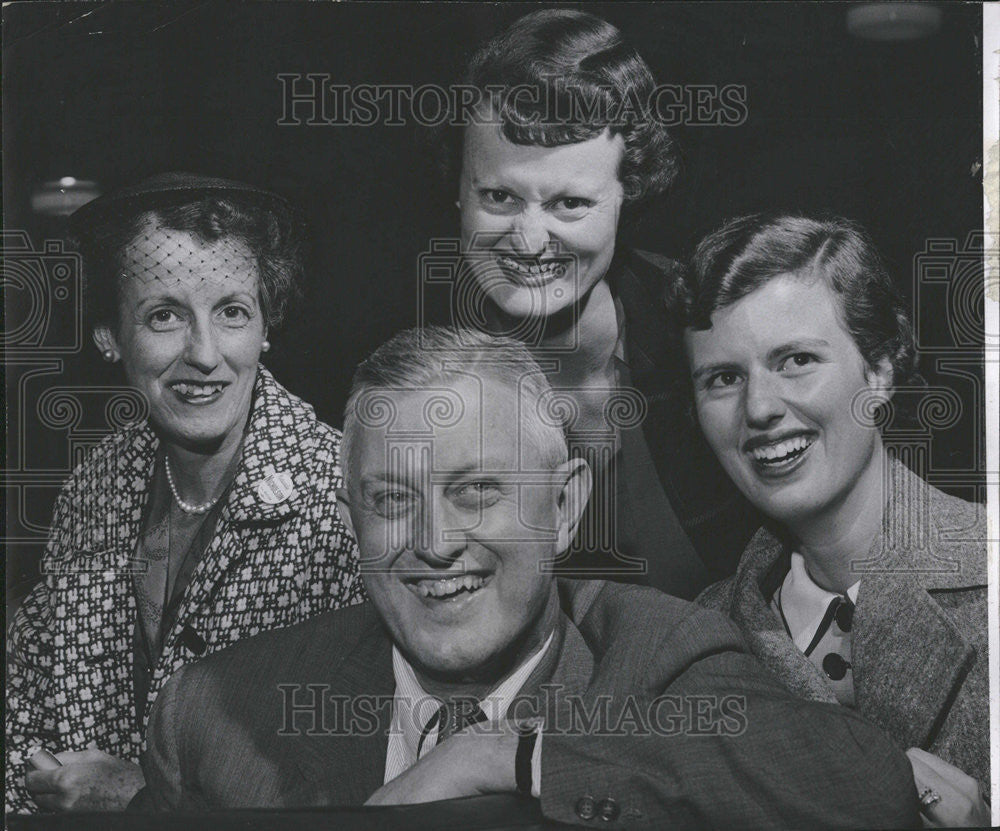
(475, 415)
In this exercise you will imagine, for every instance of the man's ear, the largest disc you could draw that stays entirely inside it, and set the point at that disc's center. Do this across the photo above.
(577, 482)
(344, 510)
(107, 343)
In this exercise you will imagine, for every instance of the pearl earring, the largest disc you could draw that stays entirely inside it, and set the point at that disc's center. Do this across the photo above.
(265, 346)
(108, 355)
(458, 204)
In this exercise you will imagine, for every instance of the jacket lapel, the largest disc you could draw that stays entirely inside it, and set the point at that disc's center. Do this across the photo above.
(763, 630)
(351, 765)
(901, 684)
(909, 655)
(104, 528)
(107, 523)
(718, 521)
(565, 670)
(272, 451)
(115, 500)
(654, 370)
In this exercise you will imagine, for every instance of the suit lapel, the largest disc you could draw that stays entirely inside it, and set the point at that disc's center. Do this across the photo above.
(763, 630)
(909, 656)
(565, 669)
(347, 768)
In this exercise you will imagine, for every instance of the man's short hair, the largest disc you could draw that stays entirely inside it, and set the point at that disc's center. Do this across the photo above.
(418, 358)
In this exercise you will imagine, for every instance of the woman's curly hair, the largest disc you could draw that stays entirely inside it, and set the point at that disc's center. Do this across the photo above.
(560, 76)
(273, 232)
(747, 252)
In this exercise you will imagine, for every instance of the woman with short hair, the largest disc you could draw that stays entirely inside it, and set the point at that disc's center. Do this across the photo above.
(564, 141)
(210, 520)
(867, 586)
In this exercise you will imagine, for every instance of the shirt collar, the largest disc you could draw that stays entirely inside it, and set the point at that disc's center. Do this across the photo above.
(803, 603)
(413, 707)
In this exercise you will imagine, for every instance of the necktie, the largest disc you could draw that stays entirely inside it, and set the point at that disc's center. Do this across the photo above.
(451, 717)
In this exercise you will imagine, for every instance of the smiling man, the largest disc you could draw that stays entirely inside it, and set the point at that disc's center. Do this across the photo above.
(473, 670)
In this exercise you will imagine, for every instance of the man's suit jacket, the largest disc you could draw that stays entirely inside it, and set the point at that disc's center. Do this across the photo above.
(70, 679)
(920, 650)
(225, 733)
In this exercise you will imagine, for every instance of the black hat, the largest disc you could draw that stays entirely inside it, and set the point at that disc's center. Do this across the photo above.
(165, 189)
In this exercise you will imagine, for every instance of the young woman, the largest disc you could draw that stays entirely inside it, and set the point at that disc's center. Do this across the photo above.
(562, 144)
(867, 586)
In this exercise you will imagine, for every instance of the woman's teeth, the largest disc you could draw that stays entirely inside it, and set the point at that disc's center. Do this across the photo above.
(197, 390)
(540, 272)
(450, 586)
(782, 450)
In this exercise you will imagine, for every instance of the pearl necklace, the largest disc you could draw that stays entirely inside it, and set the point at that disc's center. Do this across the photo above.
(187, 507)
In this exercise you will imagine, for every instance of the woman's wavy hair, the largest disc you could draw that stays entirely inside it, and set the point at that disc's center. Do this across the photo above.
(559, 77)
(274, 233)
(747, 252)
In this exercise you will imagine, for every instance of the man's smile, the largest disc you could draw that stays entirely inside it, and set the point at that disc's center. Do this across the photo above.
(448, 589)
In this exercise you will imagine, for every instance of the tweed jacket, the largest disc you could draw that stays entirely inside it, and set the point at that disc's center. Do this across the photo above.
(632, 663)
(270, 563)
(919, 640)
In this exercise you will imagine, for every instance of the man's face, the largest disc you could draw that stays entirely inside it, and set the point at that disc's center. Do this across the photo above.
(453, 523)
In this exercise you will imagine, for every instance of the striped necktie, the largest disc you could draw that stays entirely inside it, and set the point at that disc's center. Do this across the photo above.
(451, 717)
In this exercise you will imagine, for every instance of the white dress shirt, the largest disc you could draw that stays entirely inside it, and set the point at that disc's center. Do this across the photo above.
(807, 611)
(803, 603)
(412, 708)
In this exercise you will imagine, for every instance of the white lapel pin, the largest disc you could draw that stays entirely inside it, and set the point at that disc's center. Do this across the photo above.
(275, 488)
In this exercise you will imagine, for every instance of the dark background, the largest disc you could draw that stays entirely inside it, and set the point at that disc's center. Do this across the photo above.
(889, 134)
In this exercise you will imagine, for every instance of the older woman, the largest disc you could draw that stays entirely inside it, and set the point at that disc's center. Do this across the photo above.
(868, 586)
(212, 520)
(563, 140)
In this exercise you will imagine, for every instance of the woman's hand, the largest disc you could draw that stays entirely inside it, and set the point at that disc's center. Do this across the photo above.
(961, 802)
(88, 780)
